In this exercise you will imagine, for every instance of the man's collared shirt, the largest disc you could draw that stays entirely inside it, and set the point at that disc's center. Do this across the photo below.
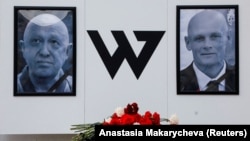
(203, 79)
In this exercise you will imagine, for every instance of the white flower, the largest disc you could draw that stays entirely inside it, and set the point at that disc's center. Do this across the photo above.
(174, 120)
(136, 123)
(119, 111)
(108, 120)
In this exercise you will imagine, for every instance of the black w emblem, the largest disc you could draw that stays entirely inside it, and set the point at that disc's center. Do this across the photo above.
(125, 51)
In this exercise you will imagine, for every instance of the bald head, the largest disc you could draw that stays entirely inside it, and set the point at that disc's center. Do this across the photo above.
(207, 18)
(47, 21)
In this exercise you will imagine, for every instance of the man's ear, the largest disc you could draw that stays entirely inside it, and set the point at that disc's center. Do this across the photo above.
(21, 44)
(69, 49)
(187, 43)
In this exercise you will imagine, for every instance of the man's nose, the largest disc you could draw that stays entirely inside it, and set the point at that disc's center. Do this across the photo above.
(44, 51)
(207, 43)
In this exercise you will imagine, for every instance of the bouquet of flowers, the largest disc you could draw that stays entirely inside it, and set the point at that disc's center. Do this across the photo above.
(122, 116)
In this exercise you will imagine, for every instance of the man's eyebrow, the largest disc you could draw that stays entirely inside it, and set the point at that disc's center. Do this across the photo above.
(217, 33)
(198, 36)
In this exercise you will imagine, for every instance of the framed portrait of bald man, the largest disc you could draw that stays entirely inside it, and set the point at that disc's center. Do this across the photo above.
(207, 50)
(44, 51)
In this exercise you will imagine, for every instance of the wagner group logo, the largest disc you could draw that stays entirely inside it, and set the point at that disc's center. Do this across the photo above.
(125, 50)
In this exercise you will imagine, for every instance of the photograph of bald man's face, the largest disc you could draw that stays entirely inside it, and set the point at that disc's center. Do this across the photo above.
(44, 51)
(207, 50)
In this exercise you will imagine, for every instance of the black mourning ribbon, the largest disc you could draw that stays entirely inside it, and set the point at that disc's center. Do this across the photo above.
(58, 82)
(212, 86)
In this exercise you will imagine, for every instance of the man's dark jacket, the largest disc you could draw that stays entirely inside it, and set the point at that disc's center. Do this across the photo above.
(189, 82)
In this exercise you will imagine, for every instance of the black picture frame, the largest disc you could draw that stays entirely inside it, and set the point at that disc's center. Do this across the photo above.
(187, 80)
(22, 15)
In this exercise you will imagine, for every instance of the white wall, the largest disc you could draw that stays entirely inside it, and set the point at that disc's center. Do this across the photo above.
(211, 109)
(97, 94)
(37, 115)
(124, 88)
